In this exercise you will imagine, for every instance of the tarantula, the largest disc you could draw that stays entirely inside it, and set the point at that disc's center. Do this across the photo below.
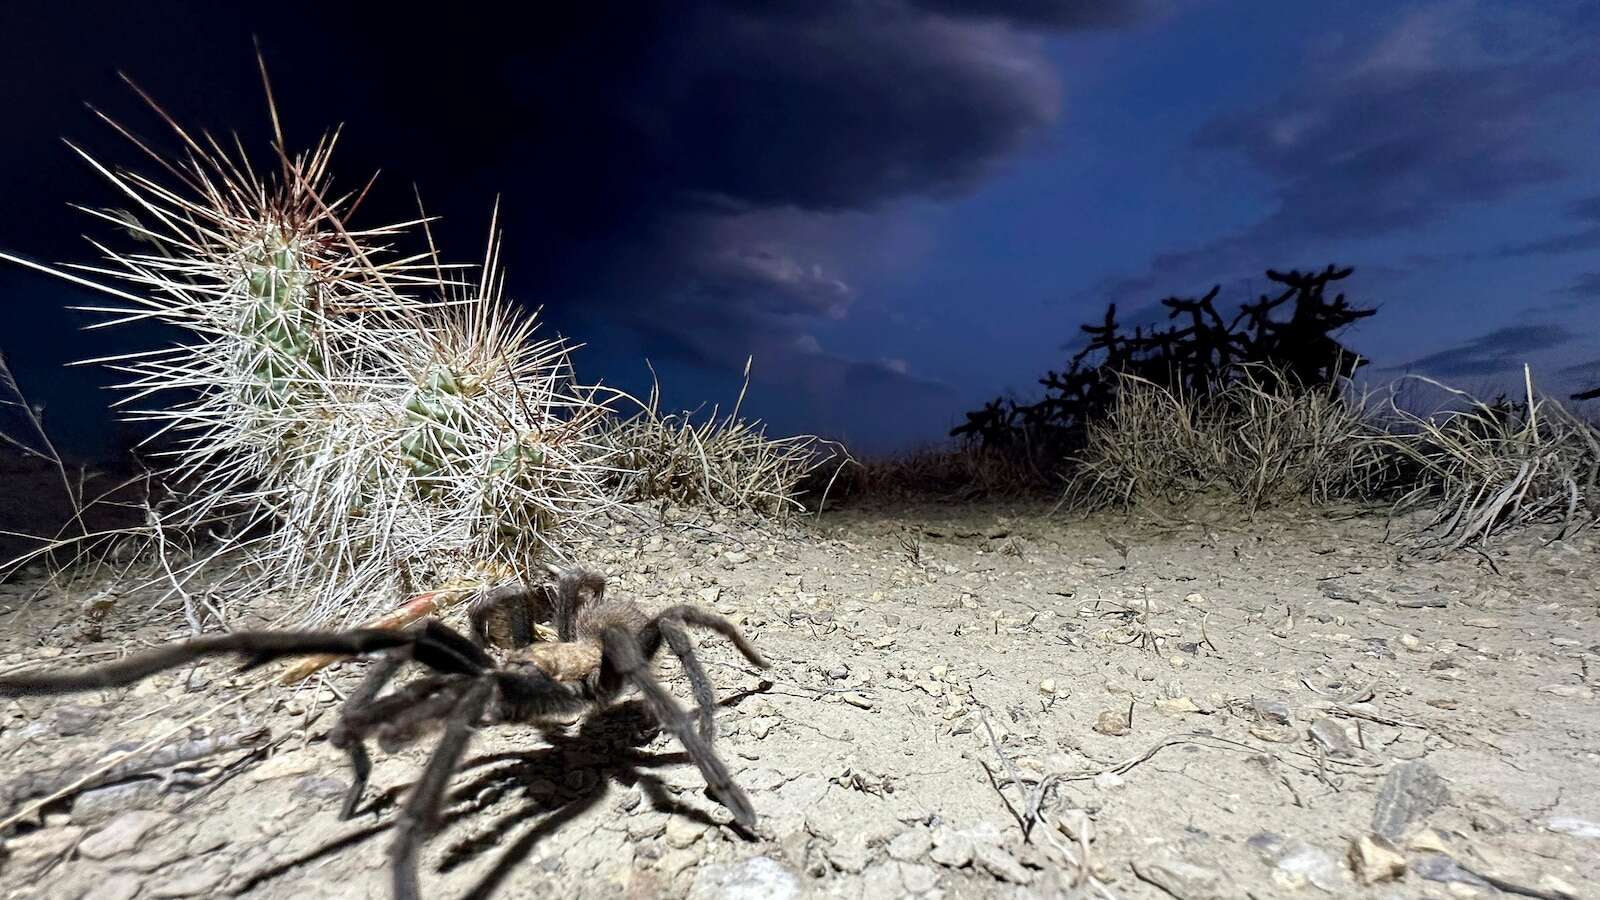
(605, 645)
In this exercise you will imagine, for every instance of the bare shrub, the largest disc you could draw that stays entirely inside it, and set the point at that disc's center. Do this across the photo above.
(1259, 440)
(711, 462)
(1487, 468)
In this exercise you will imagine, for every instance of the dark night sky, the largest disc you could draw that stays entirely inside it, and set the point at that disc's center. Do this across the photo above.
(900, 207)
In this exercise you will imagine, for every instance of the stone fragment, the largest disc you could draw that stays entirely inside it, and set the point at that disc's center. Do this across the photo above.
(31, 854)
(910, 846)
(1182, 879)
(757, 878)
(1375, 860)
(121, 835)
(1332, 738)
(950, 848)
(1000, 863)
(1408, 795)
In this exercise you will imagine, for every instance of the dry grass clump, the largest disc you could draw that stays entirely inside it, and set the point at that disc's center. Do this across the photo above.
(1258, 439)
(711, 462)
(1488, 468)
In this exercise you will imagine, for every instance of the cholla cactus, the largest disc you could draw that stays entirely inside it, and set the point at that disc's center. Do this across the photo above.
(374, 415)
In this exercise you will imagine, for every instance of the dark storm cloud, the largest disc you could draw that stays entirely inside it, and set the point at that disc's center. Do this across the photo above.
(1500, 350)
(675, 168)
(1366, 147)
(1055, 13)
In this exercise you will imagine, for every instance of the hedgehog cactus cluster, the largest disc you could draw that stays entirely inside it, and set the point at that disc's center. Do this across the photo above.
(367, 414)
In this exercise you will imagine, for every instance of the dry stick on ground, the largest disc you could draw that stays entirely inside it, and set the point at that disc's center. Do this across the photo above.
(1034, 813)
(33, 808)
(36, 784)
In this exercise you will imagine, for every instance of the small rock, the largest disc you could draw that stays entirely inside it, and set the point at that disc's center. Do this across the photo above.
(1409, 794)
(196, 883)
(115, 887)
(1181, 879)
(1411, 642)
(857, 700)
(850, 856)
(1441, 868)
(287, 764)
(757, 878)
(1481, 623)
(674, 861)
(70, 719)
(114, 799)
(737, 557)
(1426, 601)
(1112, 722)
(1107, 781)
(1047, 687)
(709, 595)
(317, 787)
(918, 879)
(950, 848)
(1177, 705)
(121, 835)
(1374, 859)
(1332, 738)
(909, 846)
(28, 856)
(682, 832)
(1274, 712)
(1574, 826)
(1304, 864)
(1198, 599)
(1570, 691)
(1000, 863)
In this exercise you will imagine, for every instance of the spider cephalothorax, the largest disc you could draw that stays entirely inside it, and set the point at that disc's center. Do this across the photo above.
(605, 645)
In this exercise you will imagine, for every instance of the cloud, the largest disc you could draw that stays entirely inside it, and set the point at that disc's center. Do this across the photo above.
(1584, 287)
(1500, 350)
(1435, 117)
(1072, 14)
(1586, 210)
(714, 177)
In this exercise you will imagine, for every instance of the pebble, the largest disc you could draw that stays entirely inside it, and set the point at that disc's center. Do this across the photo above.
(1304, 864)
(196, 883)
(918, 879)
(757, 878)
(682, 832)
(1275, 712)
(1181, 878)
(31, 854)
(1000, 863)
(909, 846)
(71, 719)
(1582, 828)
(121, 835)
(1332, 738)
(950, 848)
(115, 887)
(1047, 687)
(1375, 860)
(1408, 795)
(672, 862)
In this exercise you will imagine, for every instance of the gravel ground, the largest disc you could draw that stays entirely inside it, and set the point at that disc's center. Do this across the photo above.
(965, 701)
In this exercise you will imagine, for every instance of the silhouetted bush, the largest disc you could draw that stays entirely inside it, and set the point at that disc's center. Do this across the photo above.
(1287, 336)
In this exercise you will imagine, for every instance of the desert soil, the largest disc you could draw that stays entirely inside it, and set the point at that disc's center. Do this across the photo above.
(947, 715)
